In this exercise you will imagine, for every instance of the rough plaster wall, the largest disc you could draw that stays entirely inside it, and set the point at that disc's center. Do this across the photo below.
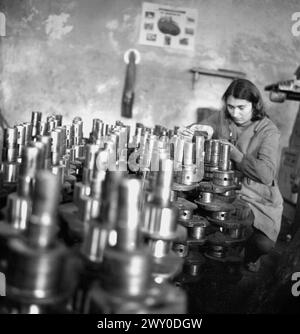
(66, 56)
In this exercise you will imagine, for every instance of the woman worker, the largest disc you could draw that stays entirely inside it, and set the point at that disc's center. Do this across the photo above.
(244, 121)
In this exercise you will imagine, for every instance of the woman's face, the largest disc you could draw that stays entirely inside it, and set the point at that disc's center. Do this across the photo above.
(240, 110)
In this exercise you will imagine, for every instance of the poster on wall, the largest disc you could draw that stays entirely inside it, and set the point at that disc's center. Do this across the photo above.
(168, 26)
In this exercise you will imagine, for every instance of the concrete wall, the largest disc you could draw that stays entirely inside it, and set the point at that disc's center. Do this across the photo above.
(66, 56)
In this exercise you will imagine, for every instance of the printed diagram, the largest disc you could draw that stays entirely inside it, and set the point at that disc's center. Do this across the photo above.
(168, 26)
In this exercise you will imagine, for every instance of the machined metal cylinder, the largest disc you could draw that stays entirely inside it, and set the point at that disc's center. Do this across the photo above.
(46, 141)
(186, 176)
(208, 171)
(78, 131)
(159, 248)
(159, 222)
(215, 152)
(36, 117)
(42, 129)
(28, 132)
(198, 230)
(80, 190)
(69, 136)
(200, 150)
(35, 275)
(97, 131)
(56, 144)
(95, 242)
(42, 227)
(224, 160)
(188, 153)
(18, 211)
(138, 134)
(51, 124)
(223, 178)
(206, 197)
(127, 274)
(162, 184)
(109, 202)
(178, 154)
(31, 163)
(128, 216)
(91, 156)
(208, 151)
(10, 149)
(21, 137)
(10, 172)
(228, 196)
(59, 172)
(220, 215)
(63, 132)
(59, 119)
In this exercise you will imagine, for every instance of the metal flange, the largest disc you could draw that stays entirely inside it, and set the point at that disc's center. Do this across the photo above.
(215, 205)
(214, 188)
(183, 187)
(185, 208)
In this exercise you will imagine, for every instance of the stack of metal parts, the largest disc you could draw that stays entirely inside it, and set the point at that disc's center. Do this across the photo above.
(127, 220)
(191, 246)
(159, 223)
(126, 284)
(217, 200)
(101, 218)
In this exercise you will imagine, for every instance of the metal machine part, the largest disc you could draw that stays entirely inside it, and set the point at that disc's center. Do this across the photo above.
(224, 159)
(212, 152)
(189, 165)
(96, 233)
(197, 228)
(228, 196)
(83, 189)
(122, 252)
(208, 171)
(216, 251)
(185, 207)
(10, 166)
(181, 248)
(19, 203)
(28, 132)
(206, 197)
(126, 286)
(36, 118)
(220, 215)
(159, 224)
(45, 278)
(21, 136)
(223, 178)
(126, 266)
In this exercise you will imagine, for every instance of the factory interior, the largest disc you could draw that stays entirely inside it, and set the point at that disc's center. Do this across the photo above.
(149, 157)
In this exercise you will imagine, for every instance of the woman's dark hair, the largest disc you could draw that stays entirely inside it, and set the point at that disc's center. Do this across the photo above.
(246, 90)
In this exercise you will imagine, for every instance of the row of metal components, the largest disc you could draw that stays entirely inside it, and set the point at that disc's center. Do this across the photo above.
(121, 218)
(127, 240)
(216, 201)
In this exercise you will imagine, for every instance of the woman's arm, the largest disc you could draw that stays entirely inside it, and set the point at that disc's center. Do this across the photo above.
(262, 167)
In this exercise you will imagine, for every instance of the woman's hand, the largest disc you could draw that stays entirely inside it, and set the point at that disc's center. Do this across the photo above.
(235, 154)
